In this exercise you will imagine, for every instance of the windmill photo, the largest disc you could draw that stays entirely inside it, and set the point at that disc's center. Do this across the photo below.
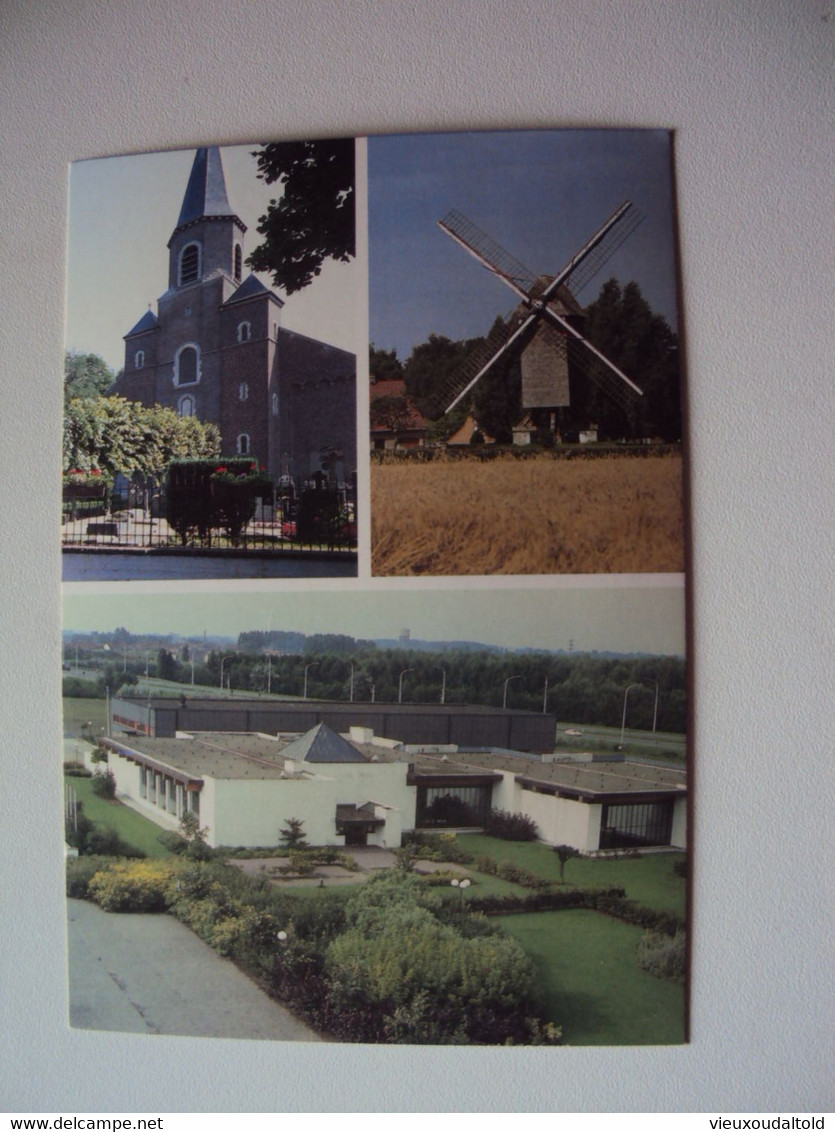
(545, 331)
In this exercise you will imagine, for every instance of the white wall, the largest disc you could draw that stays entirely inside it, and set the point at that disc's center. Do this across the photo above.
(243, 811)
(747, 85)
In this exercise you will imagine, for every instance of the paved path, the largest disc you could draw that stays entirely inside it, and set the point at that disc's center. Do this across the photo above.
(150, 974)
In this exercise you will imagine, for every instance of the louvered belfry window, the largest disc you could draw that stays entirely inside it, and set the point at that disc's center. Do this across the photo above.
(190, 264)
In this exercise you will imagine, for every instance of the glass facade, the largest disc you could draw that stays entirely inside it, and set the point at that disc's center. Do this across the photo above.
(452, 806)
(630, 826)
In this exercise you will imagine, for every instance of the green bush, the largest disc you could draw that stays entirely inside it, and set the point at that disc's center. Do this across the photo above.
(510, 826)
(664, 956)
(80, 871)
(173, 841)
(131, 887)
(104, 784)
(77, 769)
(107, 843)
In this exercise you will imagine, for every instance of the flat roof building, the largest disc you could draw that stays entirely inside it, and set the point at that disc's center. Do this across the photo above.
(360, 788)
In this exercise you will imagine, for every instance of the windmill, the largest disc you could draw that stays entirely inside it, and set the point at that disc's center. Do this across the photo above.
(543, 330)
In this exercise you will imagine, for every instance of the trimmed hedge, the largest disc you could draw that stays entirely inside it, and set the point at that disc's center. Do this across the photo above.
(612, 901)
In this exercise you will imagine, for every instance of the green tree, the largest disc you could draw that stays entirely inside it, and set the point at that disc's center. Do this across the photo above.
(314, 218)
(428, 368)
(292, 835)
(384, 365)
(116, 435)
(565, 853)
(621, 323)
(497, 398)
(392, 413)
(167, 667)
(85, 376)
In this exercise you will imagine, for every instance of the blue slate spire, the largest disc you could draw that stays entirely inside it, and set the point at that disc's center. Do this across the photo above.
(206, 189)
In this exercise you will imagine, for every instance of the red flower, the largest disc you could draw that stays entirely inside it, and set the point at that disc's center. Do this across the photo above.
(222, 468)
(95, 472)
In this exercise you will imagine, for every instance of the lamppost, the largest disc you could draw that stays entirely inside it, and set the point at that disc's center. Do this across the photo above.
(504, 694)
(545, 698)
(400, 684)
(312, 664)
(623, 721)
(462, 886)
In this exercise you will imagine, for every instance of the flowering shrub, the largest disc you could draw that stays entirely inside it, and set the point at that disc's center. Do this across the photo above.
(140, 886)
(79, 477)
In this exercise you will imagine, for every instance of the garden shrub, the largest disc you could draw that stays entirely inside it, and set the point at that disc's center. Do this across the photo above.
(444, 988)
(80, 871)
(104, 784)
(134, 887)
(76, 769)
(664, 956)
(510, 827)
(107, 843)
(173, 842)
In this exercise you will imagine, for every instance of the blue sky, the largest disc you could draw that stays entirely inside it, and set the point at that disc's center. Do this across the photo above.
(540, 194)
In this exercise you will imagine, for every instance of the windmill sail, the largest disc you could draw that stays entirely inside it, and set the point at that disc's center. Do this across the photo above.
(545, 304)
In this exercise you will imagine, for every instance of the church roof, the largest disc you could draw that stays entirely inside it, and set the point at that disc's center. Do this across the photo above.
(149, 321)
(251, 288)
(206, 189)
(322, 745)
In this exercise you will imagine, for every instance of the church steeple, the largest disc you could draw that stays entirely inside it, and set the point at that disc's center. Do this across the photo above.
(208, 238)
(206, 191)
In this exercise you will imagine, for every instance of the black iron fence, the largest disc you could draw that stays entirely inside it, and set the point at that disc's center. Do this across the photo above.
(141, 514)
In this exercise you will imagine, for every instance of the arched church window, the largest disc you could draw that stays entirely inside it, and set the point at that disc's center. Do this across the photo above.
(238, 262)
(187, 365)
(139, 359)
(243, 444)
(244, 331)
(189, 264)
(243, 391)
(187, 406)
(275, 404)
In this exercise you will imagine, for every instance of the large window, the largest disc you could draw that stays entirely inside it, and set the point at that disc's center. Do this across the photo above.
(189, 264)
(645, 823)
(244, 331)
(238, 262)
(187, 365)
(452, 806)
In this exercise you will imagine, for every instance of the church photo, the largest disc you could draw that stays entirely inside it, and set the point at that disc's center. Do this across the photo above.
(213, 326)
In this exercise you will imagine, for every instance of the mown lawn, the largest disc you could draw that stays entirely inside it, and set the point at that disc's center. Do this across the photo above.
(79, 711)
(591, 985)
(131, 826)
(648, 880)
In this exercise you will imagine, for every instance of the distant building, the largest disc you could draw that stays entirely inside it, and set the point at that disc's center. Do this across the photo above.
(396, 422)
(216, 349)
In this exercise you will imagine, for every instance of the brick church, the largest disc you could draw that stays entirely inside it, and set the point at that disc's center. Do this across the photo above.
(216, 349)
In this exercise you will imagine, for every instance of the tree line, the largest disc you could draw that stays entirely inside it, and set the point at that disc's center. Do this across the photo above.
(581, 687)
(620, 322)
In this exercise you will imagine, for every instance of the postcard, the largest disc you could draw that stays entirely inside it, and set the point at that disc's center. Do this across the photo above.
(374, 649)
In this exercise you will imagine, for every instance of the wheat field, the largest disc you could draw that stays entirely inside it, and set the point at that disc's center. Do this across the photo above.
(613, 514)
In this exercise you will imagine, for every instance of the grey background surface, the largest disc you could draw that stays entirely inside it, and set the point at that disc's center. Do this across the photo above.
(748, 88)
